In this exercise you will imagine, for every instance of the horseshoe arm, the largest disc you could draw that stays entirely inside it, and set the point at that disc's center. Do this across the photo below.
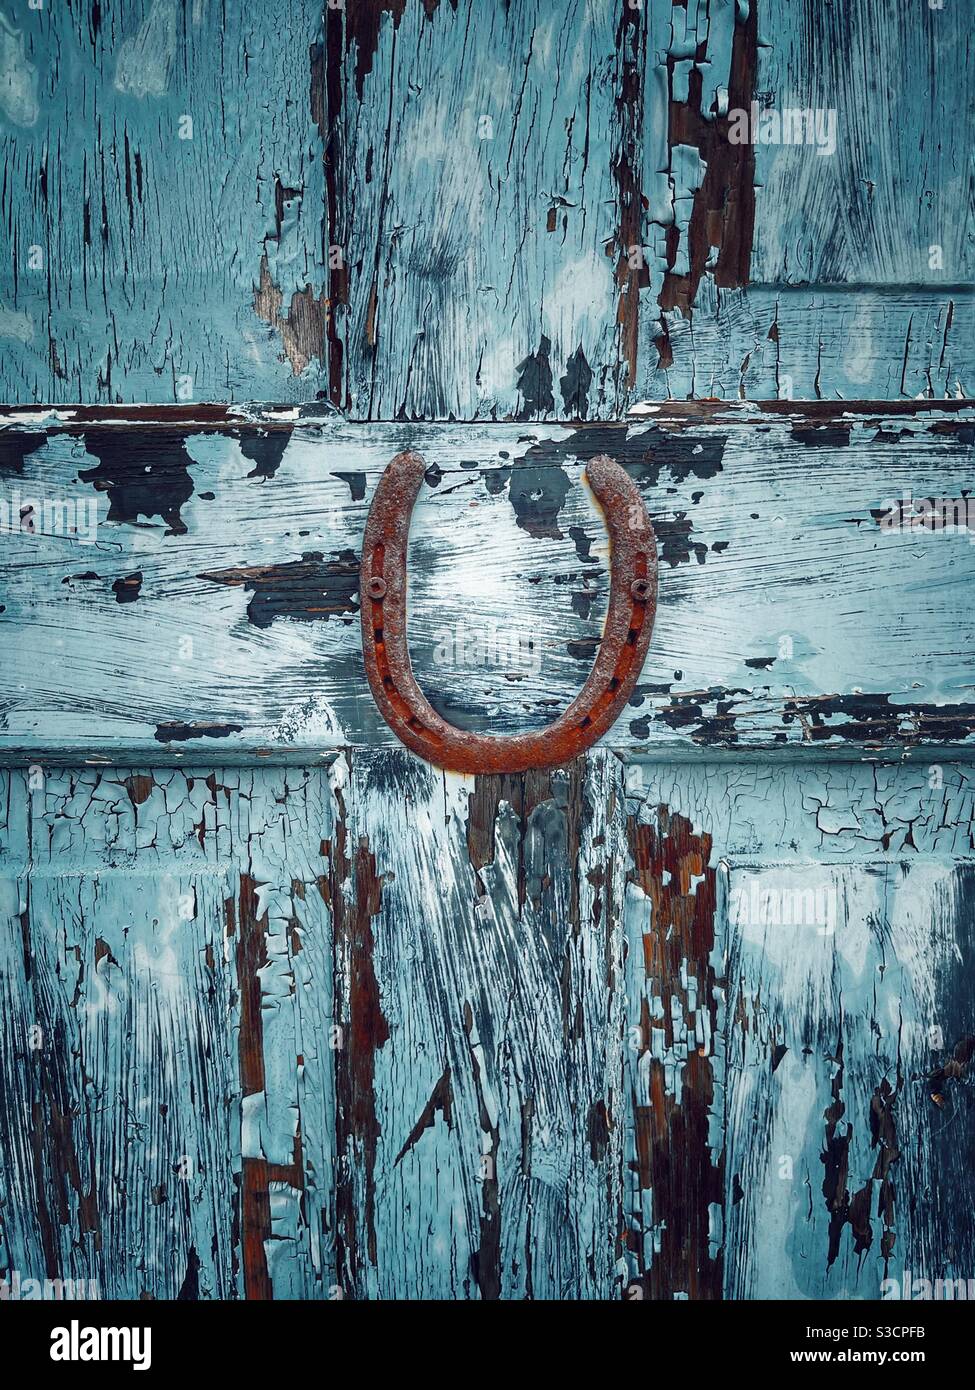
(626, 637)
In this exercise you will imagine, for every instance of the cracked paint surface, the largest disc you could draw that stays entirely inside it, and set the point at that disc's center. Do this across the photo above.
(164, 204)
(227, 554)
(466, 211)
(285, 1013)
(264, 1037)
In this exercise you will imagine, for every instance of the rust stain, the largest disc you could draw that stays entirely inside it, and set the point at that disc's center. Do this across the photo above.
(523, 792)
(56, 1164)
(365, 1030)
(632, 274)
(853, 1209)
(723, 210)
(256, 1208)
(363, 21)
(671, 864)
(371, 316)
(139, 787)
(251, 959)
(257, 1173)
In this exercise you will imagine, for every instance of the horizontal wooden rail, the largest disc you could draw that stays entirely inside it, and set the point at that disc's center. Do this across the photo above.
(806, 603)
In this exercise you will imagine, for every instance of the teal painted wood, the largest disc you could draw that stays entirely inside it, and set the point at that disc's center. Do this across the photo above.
(162, 204)
(593, 226)
(490, 1162)
(264, 1034)
(841, 1137)
(481, 211)
(833, 342)
(800, 1031)
(167, 1100)
(217, 603)
(481, 176)
(893, 205)
(340, 1026)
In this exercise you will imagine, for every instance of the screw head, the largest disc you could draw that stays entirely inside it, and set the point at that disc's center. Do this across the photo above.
(376, 588)
(640, 590)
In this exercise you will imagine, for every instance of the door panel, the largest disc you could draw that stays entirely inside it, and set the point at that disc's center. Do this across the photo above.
(368, 1031)
(481, 1138)
(145, 150)
(847, 1150)
(833, 967)
(167, 1054)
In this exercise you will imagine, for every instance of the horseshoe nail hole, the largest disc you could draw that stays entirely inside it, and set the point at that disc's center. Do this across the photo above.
(615, 683)
(377, 633)
(585, 722)
(631, 637)
(388, 682)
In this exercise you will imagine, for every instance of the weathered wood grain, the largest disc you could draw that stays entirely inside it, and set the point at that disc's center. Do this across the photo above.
(476, 1131)
(851, 1158)
(217, 606)
(829, 342)
(415, 1036)
(480, 211)
(653, 1026)
(483, 158)
(673, 1142)
(166, 1111)
(877, 224)
(804, 1029)
(195, 1105)
(116, 1106)
(162, 202)
(592, 225)
(898, 185)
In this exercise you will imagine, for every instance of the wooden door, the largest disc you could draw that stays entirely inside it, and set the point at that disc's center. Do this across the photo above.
(286, 1012)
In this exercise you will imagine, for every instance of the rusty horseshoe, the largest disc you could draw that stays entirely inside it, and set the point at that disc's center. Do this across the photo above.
(626, 637)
